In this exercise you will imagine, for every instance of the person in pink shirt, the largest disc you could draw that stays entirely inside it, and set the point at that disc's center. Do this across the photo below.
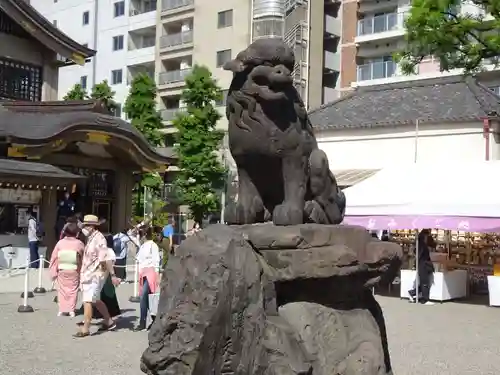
(96, 267)
(65, 264)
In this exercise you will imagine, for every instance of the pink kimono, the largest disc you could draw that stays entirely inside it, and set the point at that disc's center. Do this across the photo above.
(65, 266)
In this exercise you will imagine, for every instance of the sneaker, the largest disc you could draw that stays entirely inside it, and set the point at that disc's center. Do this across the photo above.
(60, 314)
(429, 303)
(411, 298)
(72, 314)
(140, 327)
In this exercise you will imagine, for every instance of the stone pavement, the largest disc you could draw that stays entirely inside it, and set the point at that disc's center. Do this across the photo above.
(41, 343)
(447, 339)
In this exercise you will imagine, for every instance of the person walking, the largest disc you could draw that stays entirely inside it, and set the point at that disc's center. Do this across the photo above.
(95, 269)
(33, 239)
(121, 245)
(425, 269)
(65, 264)
(148, 259)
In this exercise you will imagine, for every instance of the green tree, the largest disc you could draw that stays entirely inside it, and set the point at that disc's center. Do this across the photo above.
(77, 92)
(103, 92)
(201, 171)
(140, 108)
(458, 40)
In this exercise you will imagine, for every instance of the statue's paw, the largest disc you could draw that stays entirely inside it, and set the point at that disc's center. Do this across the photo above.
(237, 214)
(287, 214)
(315, 213)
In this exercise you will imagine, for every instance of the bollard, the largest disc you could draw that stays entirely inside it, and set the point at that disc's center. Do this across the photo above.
(53, 289)
(40, 289)
(135, 298)
(25, 308)
(29, 293)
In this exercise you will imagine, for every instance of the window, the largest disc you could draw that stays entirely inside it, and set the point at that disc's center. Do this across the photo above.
(148, 41)
(149, 6)
(117, 111)
(119, 8)
(85, 18)
(20, 81)
(223, 100)
(83, 82)
(223, 57)
(116, 77)
(118, 43)
(225, 19)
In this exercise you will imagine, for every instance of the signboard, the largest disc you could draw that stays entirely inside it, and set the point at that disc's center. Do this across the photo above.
(20, 196)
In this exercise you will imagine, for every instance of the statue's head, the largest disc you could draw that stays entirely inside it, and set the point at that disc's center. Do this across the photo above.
(264, 69)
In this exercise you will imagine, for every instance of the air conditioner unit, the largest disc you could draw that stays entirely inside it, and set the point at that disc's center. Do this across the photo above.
(135, 12)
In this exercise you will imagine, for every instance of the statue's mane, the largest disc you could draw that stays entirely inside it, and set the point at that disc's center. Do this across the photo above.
(241, 105)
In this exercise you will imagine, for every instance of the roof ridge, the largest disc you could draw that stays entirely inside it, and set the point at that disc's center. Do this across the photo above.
(338, 100)
(40, 28)
(59, 106)
(475, 86)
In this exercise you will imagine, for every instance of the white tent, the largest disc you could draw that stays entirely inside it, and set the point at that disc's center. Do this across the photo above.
(448, 195)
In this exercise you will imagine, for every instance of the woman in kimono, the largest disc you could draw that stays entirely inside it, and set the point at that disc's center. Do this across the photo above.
(65, 266)
(108, 292)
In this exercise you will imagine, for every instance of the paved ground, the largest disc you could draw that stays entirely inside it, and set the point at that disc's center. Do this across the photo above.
(448, 339)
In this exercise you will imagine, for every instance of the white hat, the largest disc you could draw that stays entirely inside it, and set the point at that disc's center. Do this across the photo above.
(91, 220)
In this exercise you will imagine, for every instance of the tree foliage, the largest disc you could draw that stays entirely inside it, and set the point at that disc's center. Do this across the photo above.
(103, 92)
(201, 172)
(457, 37)
(77, 92)
(140, 108)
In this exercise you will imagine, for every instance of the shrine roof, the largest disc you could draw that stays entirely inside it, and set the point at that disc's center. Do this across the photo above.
(36, 123)
(446, 99)
(12, 167)
(21, 12)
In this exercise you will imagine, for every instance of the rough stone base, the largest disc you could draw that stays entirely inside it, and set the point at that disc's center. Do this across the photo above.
(267, 300)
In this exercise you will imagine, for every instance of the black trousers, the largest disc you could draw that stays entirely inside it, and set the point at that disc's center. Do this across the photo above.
(121, 270)
(425, 273)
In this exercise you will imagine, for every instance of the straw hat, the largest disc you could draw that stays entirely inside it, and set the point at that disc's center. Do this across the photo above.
(91, 220)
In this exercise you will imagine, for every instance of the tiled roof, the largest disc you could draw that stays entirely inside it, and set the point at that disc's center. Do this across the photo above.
(38, 122)
(440, 99)
(10, 167)
(44, 31)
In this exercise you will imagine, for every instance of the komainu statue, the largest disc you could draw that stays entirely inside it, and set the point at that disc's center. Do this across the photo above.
(283, 176)
(285, 289)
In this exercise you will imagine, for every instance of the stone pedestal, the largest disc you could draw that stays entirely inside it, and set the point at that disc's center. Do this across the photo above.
(262, 299)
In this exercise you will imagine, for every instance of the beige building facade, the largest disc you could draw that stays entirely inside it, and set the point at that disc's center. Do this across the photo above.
(210, 33)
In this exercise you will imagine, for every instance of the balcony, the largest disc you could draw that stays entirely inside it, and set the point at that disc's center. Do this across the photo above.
(174, 76)
(142, 14)
(182, 39)
(170, 114)
(376, 70)
(140, 7)
(332, 61)
(169, 5)
(386, 26)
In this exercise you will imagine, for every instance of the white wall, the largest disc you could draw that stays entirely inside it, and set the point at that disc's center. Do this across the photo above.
(69, 13)
(380, 147)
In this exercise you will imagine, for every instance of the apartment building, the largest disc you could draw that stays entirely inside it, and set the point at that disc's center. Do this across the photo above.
(166, 38)
(123, 32)
(372, 30)
(211, 33)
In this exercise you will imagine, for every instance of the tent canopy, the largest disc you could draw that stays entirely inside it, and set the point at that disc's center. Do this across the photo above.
(448, 195)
